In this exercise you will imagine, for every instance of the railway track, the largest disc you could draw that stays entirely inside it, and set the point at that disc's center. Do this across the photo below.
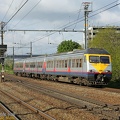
(110, 111)
(28, 106)
(104, 110)
(6, 113)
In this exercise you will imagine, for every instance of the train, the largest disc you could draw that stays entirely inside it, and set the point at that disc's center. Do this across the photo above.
(90, 66)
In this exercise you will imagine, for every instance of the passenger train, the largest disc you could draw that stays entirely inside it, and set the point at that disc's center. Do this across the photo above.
(91, 66)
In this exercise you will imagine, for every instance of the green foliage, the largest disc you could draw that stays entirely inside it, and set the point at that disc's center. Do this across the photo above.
(8, 66)
(109, 39)
(67, 46)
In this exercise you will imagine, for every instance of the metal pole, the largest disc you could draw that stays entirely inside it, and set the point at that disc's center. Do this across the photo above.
(30, 49)
(86, 26)
(86, 5)
(2, 26)
(13, 57)
(85, 30)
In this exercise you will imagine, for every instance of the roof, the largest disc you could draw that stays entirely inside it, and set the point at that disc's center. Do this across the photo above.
(96, 51)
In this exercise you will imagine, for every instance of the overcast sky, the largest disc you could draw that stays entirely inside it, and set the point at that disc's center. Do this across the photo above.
(52, 15)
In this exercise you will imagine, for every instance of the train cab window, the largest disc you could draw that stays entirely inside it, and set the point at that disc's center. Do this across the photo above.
(104, 59)
(94, 59)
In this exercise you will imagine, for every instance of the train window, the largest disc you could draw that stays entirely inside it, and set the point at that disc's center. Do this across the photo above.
(59, 63)
(80, 63)
(73, 63)
(62, 62)
(41, 64)
(77, 63)
(48, 64)
(104, 59)
(65, 63)
(27, 65)
(94, 59)
(32, 65)
(56, 64)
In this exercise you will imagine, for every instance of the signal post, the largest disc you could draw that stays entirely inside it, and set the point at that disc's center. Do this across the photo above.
(3, 49)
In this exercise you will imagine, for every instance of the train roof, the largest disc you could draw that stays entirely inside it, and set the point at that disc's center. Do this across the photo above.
(85, 51)
(95, 51)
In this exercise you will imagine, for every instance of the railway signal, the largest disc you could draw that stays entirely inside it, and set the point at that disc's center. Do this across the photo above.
(3, 49)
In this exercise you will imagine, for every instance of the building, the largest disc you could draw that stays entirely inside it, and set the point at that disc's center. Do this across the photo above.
(92, 31)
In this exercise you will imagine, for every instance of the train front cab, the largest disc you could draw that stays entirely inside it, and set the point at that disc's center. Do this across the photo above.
(99, 71)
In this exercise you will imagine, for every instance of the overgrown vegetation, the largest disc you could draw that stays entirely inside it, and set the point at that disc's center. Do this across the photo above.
(8, 66)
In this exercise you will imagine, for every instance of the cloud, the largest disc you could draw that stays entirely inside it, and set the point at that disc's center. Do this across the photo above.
(50, 14)
(108, 18)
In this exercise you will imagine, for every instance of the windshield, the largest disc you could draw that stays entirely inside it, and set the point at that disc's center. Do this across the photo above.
(104, 59)
(99, 59)
(94, 59)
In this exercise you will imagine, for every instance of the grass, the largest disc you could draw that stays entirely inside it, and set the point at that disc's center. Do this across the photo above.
(9, 71)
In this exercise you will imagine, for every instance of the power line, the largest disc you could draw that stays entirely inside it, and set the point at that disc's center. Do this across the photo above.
(78, 15)
(81, 20)
(16, 13)
(28, 12)
(77, 21)
(8, 10)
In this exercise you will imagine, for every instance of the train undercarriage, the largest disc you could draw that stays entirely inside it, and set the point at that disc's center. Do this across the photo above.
(98, 80)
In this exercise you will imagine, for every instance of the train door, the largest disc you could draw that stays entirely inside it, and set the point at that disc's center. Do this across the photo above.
(84, 67)
(69, 65)
(23, 66)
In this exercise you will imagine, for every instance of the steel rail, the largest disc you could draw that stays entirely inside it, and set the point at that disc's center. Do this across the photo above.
(46, 116)
(9, 113)
(80, 101)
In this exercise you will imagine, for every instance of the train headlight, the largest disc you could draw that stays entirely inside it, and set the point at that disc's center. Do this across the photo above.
(107, 70)
(2, 76)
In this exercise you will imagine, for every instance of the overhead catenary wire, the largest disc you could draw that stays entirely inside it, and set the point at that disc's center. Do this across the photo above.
(99, 11)
(16, 12)
(81, 19)
(8, 10)
(78, 15)
(28, 12)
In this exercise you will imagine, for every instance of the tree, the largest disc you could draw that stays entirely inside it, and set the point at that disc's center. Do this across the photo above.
(109, 39)
(69, 45)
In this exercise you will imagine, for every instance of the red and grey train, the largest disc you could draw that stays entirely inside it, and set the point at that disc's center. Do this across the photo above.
(91, 66)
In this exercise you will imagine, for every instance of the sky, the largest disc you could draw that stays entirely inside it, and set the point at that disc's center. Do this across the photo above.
(52, 15)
